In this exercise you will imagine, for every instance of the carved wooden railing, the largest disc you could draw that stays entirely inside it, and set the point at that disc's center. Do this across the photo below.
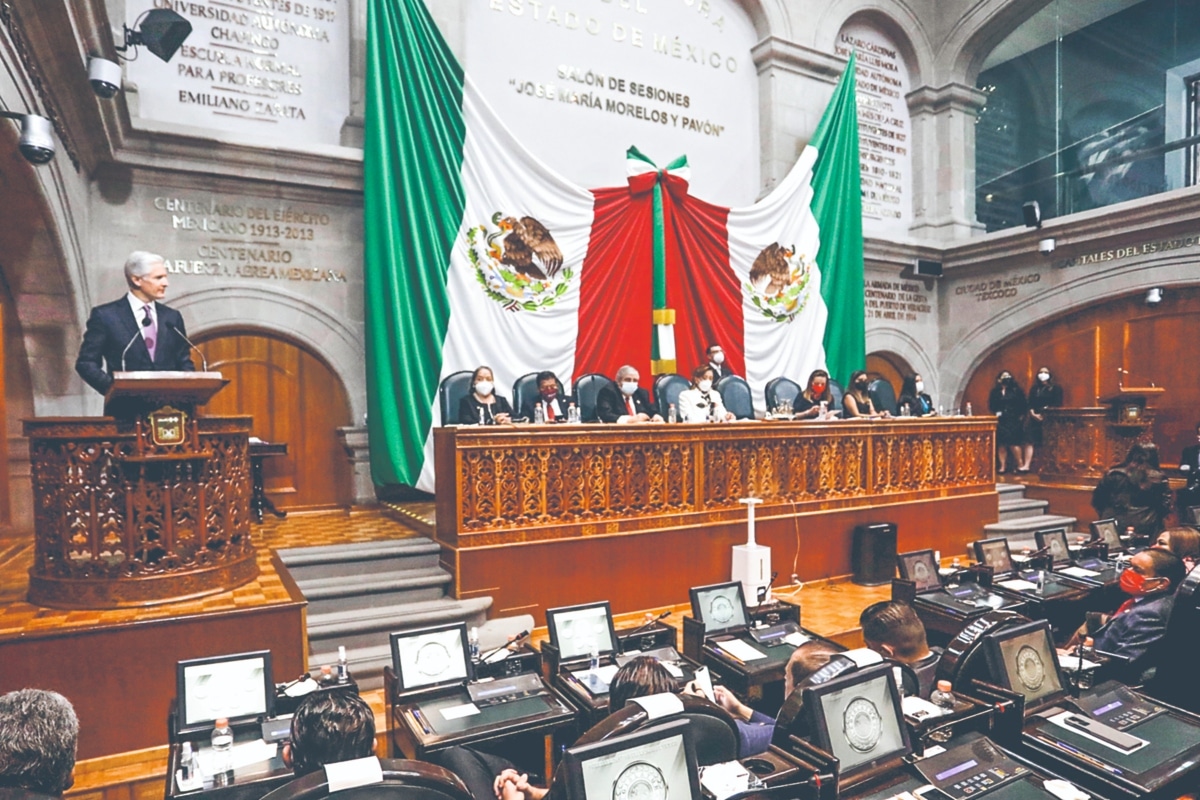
(121, 520)
(525, 483)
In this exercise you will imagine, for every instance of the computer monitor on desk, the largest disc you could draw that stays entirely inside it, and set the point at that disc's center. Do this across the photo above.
(995, 554)
(1054, 541)
(920, 567)
(1022, 658)
(720, 607)
(579, 630)
(238, 687)
(858, 719)
(658, 762)
(435, 656)
(1106, 530)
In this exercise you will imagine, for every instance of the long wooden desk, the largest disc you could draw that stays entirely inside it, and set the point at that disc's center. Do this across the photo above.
(539, 516)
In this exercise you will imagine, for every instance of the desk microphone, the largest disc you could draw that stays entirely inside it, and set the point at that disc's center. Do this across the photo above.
(648, 623)
(145, 324)
(203, 361)
(765, 591)
(506, 646)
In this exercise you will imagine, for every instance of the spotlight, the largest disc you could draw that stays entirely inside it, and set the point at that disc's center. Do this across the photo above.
(1046, 246)
(161, 30)
(1032, 213)
(37, 137)
(104, 76)
(1154, 296)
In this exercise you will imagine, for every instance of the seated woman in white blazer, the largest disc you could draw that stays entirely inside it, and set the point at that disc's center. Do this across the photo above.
(702, 403)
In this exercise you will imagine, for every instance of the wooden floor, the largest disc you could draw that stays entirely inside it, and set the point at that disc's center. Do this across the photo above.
(827, 608)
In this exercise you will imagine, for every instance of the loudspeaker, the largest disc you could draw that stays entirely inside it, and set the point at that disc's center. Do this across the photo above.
(1032, 213)
(873, 556)
(163, 31)
(928, 269)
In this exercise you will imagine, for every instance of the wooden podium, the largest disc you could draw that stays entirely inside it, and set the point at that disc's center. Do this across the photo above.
(148, 505)
(1082, 444)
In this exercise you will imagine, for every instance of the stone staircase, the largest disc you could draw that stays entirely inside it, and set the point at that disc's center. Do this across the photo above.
(1020, 516)
(360, 593)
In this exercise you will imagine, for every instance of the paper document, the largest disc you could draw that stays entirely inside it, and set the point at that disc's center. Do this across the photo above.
(1018, 585)
(343, 775)
(703, 682)
(1070, 662)
(796, 638)
(675, 671)
(458, 712)
(725, 780)
(740, 650)
(1079, 572)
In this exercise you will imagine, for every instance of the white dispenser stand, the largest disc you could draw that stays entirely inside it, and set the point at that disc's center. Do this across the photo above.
(752, 561)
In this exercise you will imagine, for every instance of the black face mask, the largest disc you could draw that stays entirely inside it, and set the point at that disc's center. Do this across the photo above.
(862, 384)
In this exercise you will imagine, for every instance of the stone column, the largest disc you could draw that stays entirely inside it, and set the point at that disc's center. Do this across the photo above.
(354, 440)
(943, 150)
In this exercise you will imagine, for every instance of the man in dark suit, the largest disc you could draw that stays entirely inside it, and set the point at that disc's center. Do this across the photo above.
(716, 360)
(553, 402)
(1189, 466)
(626, 403)
(136, 332)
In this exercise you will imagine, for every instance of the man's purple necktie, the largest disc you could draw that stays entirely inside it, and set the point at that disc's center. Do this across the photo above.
(149, 331)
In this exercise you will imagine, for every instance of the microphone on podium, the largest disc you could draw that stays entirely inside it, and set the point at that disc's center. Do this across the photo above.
(203, 360)
(145, 324)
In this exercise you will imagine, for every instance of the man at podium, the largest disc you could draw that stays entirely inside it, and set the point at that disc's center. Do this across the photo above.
(136, 332)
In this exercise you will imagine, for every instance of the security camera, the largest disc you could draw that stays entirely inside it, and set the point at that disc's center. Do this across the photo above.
(1046, 246)
(105, 77)
(1154, 296)
(37, 139)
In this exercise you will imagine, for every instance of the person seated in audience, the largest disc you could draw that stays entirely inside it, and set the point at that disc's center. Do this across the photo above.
(914, 402)
(807, 404)
(1136, 493)
(329, 727)
(626, 403)
(1134, 629)
(1183, 542)
(483, 406)
(856, 402)
(716, 360)
(894, 630)
(702, 403)
(1189, 466)
(38, 736)
(554, 404)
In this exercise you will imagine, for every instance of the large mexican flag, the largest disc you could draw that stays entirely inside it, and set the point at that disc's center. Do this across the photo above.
(477, 253)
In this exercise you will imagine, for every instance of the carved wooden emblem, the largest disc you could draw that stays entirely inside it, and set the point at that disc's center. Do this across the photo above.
(167, 426)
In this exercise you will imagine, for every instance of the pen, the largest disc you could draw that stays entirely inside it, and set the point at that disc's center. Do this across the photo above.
(421, 721)
(719, 653)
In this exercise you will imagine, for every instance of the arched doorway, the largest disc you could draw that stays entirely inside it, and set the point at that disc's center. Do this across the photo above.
(294, 397)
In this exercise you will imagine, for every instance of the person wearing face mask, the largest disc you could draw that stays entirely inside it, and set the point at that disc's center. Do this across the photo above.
(856, 402)
(1133, 629)
(716, 362)
(483, 406)
(1007, 402)
(625, 403)
(1189, 466)
(807, 404)
(553, 402)
(914, 402)
(1045, 393)
(702, 403)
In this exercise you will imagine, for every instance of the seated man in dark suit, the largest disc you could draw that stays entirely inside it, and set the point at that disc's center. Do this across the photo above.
(554, 404)
(329, 727)
(136, 332)
(1135, 628)
(627, 403)
(38, 735)
(716, 359)
(894, 630)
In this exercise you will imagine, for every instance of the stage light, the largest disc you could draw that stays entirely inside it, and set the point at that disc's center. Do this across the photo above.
(161, 30)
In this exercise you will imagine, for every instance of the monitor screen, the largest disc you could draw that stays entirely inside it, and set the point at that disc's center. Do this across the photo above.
(237, 687)
(431, 656)
(576, 630)
(1193, 516)
(1054, 541)
(1023, 659)
(657, 763)
(994, 553)
(858, 719)
(1106, 531)
(720, 606)
(920, 568)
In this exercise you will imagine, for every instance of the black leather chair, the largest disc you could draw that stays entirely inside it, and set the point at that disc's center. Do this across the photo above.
(1176, 654)
(402, 780)
(781, 389)
(882, 395)
(526, 388)
(837, 393)
(735, 394)
(666, 391)
(586, 389)
(454, 388)
(714, 729)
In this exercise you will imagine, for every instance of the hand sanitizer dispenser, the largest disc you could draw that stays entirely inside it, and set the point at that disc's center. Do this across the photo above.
(752, 561)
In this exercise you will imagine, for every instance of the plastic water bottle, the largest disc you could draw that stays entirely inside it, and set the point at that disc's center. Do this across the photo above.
(188, 767)
(222, 748)
(672, 414)
(594, 656)
(539, 414)
(473, 641)
(481, 420)
(343, 668)
(970, 413)
(572, 414)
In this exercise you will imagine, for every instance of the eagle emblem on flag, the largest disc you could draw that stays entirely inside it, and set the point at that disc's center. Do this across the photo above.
(779, 281)
(518, 263)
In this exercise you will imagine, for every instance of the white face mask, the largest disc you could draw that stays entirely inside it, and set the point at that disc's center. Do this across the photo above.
(920, 386)
(718, 358)
(1043, 376)
(628, 387)
(704, 385)
(484, 388)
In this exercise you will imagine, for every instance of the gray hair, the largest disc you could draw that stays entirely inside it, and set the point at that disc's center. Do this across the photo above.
(38, 735)
(140, 262)
(625, 370)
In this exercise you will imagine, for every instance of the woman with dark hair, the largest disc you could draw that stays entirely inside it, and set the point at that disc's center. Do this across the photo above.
(856, 402)
(700, 403)
(1183, 542)
(1007, 402)
(1136, 492)
(914, 402)
(1042, 395)
(807, 404)
(483, 406)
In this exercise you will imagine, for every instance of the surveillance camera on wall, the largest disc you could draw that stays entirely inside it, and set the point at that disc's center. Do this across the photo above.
(37, 139)
(105, 77)
(1154, 296)
(1046, 246)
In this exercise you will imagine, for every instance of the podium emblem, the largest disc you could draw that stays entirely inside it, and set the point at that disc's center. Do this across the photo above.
(167, 426)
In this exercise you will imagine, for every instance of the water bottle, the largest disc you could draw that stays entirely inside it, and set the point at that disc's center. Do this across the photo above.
(222, 748)
(343, 669)
(824, 409)
(941, 410)
(188, 766)
(481, 422)
(970, 413)
(672, 414)
(539, 414)
(943, 698)
(326, 675)
(572, 414)
(594, 656)
(473, 641)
